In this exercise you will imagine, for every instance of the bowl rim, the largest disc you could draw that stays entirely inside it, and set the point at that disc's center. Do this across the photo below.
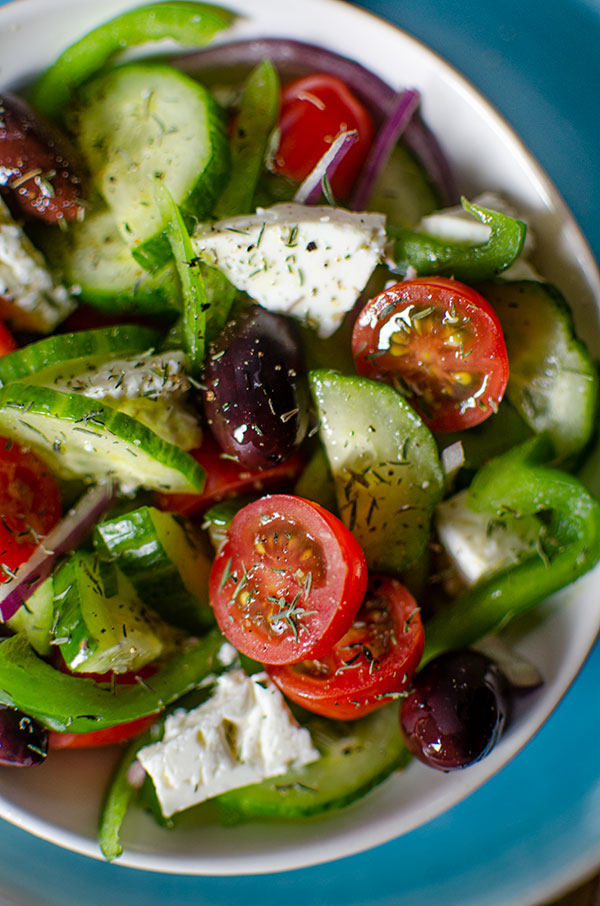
(21, 10)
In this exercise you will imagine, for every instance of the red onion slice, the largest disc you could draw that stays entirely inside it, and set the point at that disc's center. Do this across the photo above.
(394, 127)
(310, 190)
(296, 58)
(64, 537)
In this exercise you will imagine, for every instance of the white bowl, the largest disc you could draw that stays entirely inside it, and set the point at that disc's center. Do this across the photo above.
(59, 801)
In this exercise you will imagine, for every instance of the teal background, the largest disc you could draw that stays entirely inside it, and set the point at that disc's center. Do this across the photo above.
(536, 826)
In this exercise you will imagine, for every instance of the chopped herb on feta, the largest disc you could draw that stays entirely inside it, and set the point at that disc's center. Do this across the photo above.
(29, 297)
(310, 262)
(243, 734)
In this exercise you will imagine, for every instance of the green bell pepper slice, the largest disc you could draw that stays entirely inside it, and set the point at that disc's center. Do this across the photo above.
(73, 704)
(519, 483)
(256, 119)
(190, 24)
(118, 796)
(469, 263)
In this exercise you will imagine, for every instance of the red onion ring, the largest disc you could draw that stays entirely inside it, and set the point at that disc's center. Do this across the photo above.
(64, 537)
(295, 58)
(395, 126)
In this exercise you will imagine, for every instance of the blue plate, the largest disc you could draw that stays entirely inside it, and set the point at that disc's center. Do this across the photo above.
(534, 829)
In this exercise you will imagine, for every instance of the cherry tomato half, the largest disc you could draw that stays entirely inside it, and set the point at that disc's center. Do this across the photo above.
(7, 341)
(376, 658)
(226, 478)
(314, 110)
(30, 505)
(289, 580)
(441, 342)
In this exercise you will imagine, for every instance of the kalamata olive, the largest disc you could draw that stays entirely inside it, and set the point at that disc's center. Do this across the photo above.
(39, 172)
(456, 711)
(255, 399)
(23, 742)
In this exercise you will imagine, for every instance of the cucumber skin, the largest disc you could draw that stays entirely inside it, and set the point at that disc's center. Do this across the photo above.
(134, 542)
(155, 250)
(71, 409)
(104, 624)
(111, 342)
(95, 262)
(334, 781)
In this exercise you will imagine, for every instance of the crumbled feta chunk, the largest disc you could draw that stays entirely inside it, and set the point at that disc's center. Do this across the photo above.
(243, 734)
(477, 544)
(29, 297)
(310, 262)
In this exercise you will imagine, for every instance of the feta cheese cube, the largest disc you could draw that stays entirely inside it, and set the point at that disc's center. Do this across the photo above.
(243, 734)
(311, 262)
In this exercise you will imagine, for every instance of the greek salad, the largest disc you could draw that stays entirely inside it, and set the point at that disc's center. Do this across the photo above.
(289, 428)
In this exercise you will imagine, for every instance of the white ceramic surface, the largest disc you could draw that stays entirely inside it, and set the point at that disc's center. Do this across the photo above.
(60, 800)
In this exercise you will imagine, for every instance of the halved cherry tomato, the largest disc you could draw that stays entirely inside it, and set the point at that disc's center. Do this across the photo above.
(30, 505)
(289, 580)
(7, 341)
(110, 735)
(441, 343)
(373, 662)
(314, 110)
(226, 478)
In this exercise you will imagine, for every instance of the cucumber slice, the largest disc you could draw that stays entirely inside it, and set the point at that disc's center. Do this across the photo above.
(158, 551)
(93, 258)
(143, 125)
(35, 618)
(356, 756)
(101, 624)
(404, 192)
(553, 382)
(82, 438)
(385, 465)
(80, 351)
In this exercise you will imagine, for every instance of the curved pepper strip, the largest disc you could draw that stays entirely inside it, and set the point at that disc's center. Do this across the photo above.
(469, 263)
(518, 483)
(190, 24)
(70, 703)
(118, 797)
(257, 117)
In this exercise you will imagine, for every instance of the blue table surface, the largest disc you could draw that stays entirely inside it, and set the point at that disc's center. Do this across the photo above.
(536, 826)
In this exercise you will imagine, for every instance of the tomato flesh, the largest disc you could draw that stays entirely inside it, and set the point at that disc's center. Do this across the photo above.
(288, 581)
(369, 666)
(30, 505)
(314, 110)
(226, 478)
(7, 341)
(110, 736)
(441, 343)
